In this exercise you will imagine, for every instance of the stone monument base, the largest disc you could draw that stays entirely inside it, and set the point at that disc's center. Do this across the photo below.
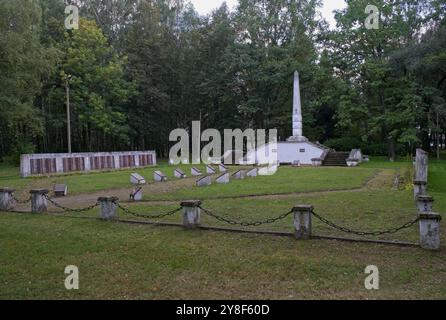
(297, 139)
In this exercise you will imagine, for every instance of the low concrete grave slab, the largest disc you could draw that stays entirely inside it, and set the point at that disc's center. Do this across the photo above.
(136, 194)
(179, 174)
(210, 170)
(254, 172)
(203, 182)
(136, 178)
(195, 172)
(266, 171)
(159, 176)
(223, 179)
(240, 174)
(60, 190)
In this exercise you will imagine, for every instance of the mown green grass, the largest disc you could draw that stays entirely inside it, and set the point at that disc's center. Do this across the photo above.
(437, 184)
(286, 180)
(121, 261)
(362, 211)
(81, 182)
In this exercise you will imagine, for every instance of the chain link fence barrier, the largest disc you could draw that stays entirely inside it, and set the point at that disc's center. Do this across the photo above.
(146, 216)
(245, 224)
(66, 209)
(365, 233)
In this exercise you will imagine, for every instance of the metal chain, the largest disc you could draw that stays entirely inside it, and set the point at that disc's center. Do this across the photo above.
(245, 224)
(70, 209)
(22, 202)
(362, 233)
(163, 215)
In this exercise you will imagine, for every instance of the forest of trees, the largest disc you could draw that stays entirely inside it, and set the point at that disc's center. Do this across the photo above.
(138, 69)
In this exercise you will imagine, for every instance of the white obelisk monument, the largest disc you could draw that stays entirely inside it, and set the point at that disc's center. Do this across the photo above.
(297, 113)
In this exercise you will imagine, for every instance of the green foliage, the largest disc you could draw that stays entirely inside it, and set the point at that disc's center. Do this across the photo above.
(23, 62)
(142, 68)
(343, 144)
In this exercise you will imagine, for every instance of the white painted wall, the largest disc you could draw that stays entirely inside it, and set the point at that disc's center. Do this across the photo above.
(287, 152)
(298, 151)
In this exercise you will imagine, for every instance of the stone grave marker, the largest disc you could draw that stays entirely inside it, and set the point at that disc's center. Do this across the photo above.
(136, 178)
(223, 179)
(179, 174)
(195, 172)
(205, 181)
(60, 190)
(254, 172)
(136, 194)
(222, 168)
(239, 175)
(210, 170)
(159, 176)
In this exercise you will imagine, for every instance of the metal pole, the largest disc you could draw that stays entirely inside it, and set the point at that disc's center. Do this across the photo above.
(67, 87)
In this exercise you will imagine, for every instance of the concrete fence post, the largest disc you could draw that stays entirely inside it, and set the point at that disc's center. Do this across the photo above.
(108, 207)
(191, 213)
(430, 230)
(421, 165)
(302, 221)
(425, 203)
(419, 188)
(7, 199)
(39, 203)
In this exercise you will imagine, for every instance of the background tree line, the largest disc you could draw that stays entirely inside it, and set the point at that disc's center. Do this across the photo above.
(140, 68)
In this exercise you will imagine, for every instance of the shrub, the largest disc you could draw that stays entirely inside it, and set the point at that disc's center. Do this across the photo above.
(21, 148)
(344, 144)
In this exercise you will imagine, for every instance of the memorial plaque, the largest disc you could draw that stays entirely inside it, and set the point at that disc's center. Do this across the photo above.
(159, 176)
(205, 181)
(60, 190)
(136, 178)
(179, 174)
(223, 179)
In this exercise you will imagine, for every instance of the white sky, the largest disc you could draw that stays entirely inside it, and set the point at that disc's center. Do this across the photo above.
(206, 6)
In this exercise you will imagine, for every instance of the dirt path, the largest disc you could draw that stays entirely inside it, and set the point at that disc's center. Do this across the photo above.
(382, 179)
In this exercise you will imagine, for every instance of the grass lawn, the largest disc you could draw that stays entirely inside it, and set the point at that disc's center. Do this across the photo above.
(287, 180)
(118, 260)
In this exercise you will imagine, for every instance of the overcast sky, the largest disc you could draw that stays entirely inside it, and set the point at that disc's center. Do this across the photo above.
(206, 6)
